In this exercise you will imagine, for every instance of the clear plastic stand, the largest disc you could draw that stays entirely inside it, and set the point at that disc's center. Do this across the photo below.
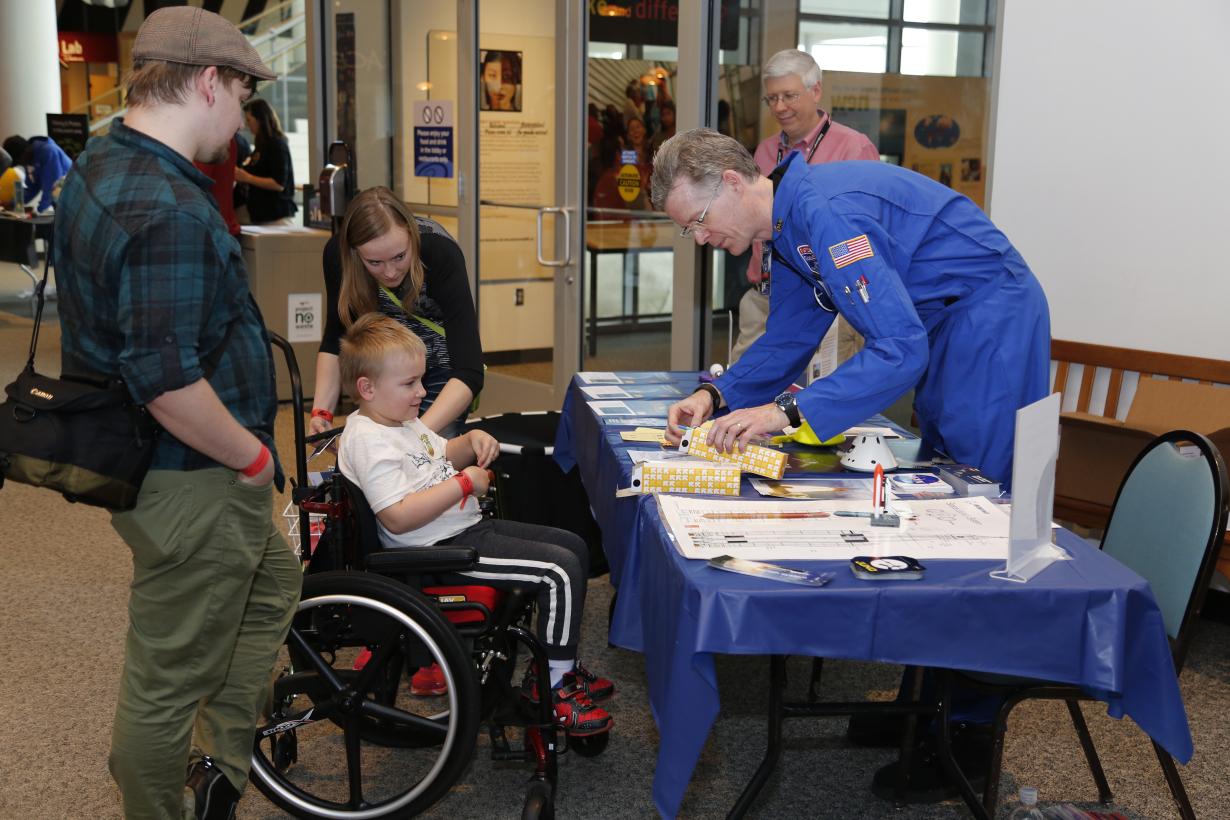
(1033, 492)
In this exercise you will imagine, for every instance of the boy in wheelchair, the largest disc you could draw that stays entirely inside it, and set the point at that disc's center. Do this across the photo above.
(409, 476)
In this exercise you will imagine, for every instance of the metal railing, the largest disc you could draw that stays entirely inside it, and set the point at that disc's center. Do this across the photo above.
(279, 35)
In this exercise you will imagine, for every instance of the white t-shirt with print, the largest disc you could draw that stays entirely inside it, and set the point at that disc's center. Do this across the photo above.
(389, 463)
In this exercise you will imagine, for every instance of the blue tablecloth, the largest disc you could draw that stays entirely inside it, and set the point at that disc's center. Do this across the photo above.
(1089, 621)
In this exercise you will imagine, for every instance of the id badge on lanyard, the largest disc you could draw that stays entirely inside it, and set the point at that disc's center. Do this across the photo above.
(824, 298)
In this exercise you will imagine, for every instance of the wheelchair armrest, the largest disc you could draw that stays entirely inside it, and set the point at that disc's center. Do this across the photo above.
(422, 560)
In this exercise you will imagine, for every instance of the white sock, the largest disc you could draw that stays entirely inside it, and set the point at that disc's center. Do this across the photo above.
(558, 670)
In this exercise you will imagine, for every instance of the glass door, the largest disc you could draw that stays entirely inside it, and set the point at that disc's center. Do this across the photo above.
(493, 90)
(529, 196)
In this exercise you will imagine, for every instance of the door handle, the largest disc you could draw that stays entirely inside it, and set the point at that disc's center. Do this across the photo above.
(567, 260)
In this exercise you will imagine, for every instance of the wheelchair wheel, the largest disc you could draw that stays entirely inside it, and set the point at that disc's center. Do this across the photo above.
(352, 744)
(539, 804)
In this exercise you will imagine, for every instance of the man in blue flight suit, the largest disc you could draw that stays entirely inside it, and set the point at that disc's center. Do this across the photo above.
(947, 306)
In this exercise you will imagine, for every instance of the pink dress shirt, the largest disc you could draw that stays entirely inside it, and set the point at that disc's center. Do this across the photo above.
(841, 142)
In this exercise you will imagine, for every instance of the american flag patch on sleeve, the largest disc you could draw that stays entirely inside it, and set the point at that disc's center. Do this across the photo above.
(850, 251)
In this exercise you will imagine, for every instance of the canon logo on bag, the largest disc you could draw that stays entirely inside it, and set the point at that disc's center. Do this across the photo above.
(42, 394)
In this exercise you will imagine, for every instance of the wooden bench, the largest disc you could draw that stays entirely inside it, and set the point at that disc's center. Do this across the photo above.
(1101, 380)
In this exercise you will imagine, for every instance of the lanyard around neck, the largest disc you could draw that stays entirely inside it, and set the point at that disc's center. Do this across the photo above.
(434, 326)
(781, 144)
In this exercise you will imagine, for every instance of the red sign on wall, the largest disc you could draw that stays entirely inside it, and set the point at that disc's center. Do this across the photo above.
(87, 47)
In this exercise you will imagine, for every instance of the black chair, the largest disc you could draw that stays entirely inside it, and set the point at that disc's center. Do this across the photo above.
(1167, 524)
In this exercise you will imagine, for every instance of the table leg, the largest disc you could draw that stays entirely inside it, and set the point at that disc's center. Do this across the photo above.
(773, 749)
(636, 286)
(33, 289)
(593, 303)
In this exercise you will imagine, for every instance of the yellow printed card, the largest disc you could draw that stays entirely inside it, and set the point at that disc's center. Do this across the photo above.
(643, 434)
(764, 461)
(686, 476)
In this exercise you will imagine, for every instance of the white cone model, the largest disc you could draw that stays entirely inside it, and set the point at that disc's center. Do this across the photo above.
(866, 452)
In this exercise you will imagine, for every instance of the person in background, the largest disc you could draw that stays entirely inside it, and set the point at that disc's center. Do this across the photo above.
(593, 127)
(723, 118)
(634, 102)
(793, 90)
(223, 190)
(153, 290)
(387, 260)
(945, 302)
(668, 127)
(268, 173)
(45, 165)
(12, 175)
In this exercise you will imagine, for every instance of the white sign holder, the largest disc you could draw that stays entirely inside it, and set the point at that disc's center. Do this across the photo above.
(1035, 451)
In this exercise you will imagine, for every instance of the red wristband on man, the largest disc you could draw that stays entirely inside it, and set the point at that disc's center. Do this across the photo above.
(467, 487)
(320, 412)
(258, 463)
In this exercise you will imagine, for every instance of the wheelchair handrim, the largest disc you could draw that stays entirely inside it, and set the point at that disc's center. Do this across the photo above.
(258, 760)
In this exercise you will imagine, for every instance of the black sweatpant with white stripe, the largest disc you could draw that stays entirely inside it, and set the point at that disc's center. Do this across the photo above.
(513, 554)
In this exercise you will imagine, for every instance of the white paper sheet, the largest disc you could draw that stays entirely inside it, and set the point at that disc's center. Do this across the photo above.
(807, 530)
(637, 456)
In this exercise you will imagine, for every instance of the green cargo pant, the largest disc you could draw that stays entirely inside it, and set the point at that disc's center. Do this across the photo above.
(213, 591)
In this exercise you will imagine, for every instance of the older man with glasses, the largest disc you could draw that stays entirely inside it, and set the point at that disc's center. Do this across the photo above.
(945, 303)
(942, 297)
(793, 89)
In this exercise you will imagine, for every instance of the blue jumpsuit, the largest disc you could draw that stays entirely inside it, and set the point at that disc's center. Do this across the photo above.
(945, 303)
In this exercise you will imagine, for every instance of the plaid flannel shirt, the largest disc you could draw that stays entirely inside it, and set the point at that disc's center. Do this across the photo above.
(149, 280)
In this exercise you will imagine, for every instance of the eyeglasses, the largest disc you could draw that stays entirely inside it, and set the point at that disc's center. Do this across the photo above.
(789, 98)
(699, 222)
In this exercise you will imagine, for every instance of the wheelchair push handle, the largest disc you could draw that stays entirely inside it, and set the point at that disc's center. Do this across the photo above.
(296, 400)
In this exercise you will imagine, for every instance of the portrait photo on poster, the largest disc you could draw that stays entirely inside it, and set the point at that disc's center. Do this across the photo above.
(500, 78)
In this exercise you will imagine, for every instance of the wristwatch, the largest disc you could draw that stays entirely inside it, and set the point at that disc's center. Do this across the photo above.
(785, 402)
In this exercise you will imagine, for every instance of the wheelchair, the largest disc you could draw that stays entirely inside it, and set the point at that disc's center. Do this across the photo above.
(342, 737)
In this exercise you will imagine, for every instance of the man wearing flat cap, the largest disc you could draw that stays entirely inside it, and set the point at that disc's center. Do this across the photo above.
(153, 291)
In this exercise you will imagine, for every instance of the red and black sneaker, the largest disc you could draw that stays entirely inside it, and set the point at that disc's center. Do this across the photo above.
(428, 682)
(576, 714)
(598, 688)
(595, 687)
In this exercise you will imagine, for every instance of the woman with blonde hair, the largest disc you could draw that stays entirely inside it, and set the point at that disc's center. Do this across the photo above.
(386, 260)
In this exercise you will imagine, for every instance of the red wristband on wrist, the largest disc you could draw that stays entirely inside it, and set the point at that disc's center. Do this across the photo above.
(467, 487)
(322, 413)
(258, 463)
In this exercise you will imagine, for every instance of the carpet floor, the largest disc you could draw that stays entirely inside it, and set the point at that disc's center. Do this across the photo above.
(64, 576)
